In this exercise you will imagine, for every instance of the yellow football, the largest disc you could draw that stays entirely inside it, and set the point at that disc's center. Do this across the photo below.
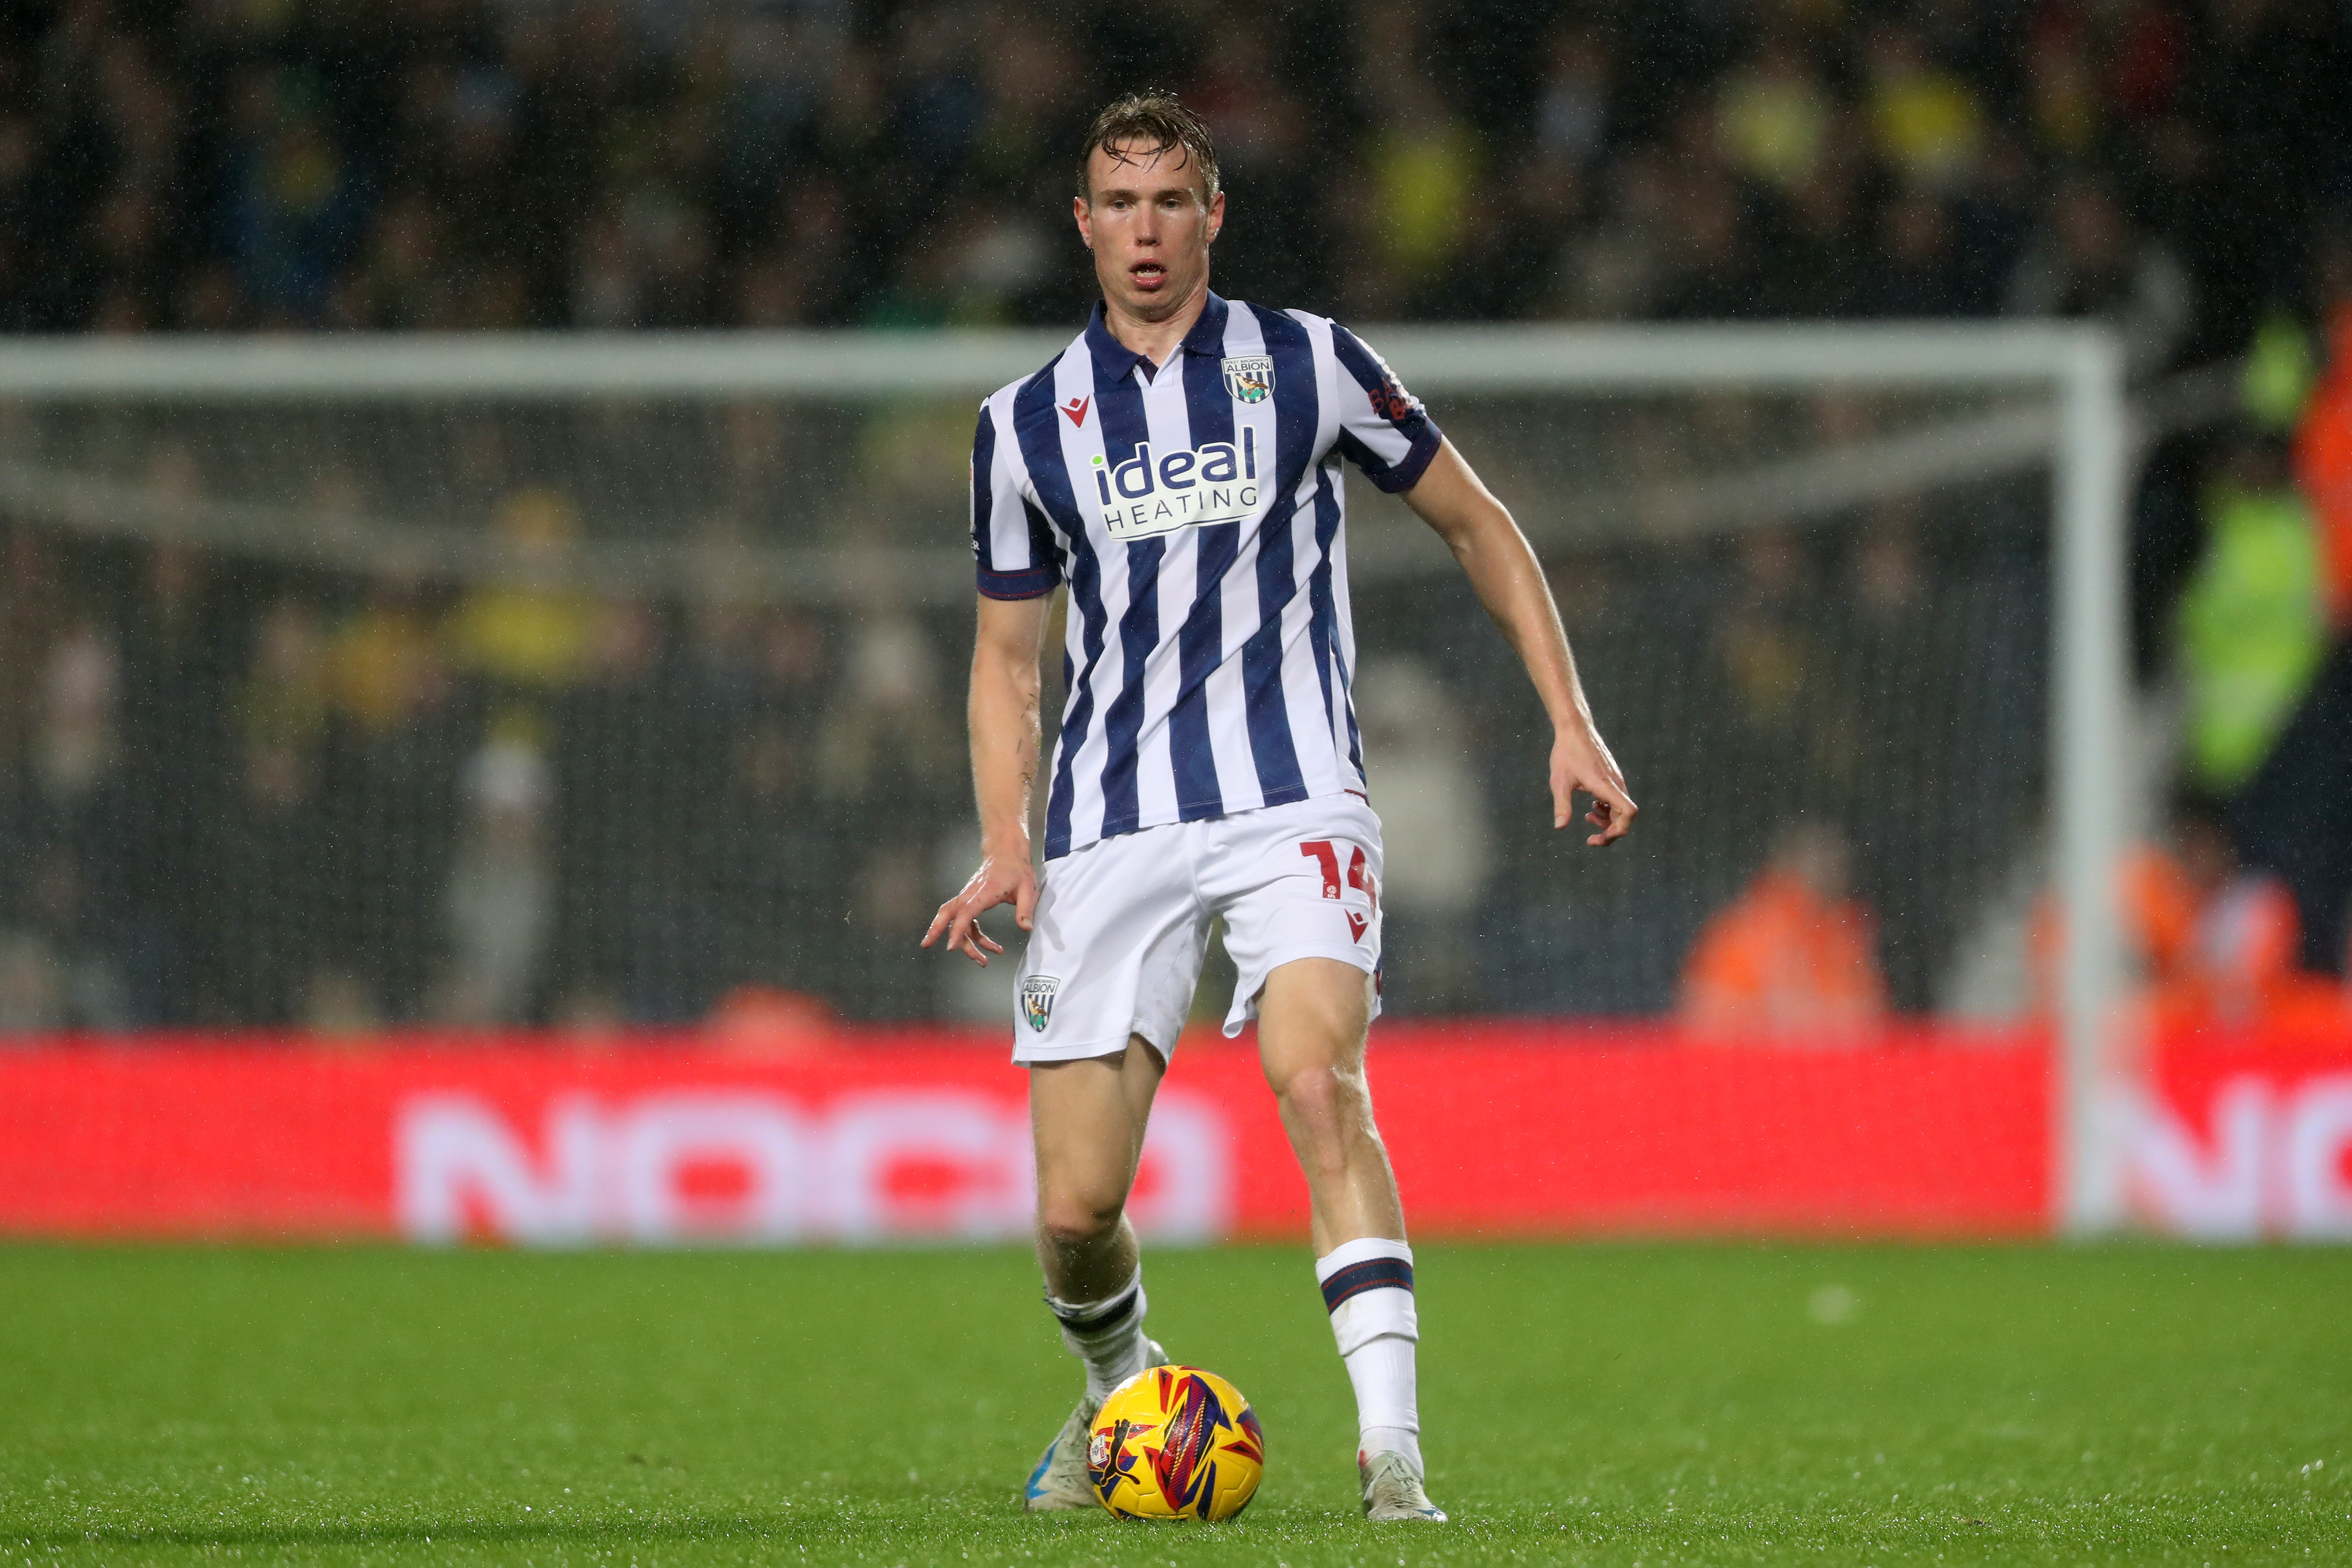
(1175, 1442)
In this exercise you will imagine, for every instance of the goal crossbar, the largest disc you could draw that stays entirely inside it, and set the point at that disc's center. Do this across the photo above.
(857, 362)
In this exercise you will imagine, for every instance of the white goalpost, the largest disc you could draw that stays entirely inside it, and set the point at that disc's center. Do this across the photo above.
(829, 497)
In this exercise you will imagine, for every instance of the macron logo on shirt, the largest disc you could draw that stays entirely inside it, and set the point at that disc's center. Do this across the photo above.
(1077, 409)
(1144, 496)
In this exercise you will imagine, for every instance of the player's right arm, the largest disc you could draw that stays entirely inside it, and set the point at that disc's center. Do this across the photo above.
(1019, 566)
(1002, 717)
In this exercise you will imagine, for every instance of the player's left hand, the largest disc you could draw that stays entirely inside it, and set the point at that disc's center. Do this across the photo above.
(1580, 760)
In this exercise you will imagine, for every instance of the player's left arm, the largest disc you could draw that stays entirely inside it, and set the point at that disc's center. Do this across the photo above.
(1503, 568)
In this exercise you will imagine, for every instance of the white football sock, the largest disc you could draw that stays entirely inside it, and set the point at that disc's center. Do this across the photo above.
(1107, 1335)
(1388, 1419)
(1368, 1286)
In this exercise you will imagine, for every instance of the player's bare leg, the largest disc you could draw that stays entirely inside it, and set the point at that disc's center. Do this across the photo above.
(1087, 1118)
(1314, 1018)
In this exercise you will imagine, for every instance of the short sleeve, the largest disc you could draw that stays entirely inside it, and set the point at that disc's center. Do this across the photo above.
(1383, 429)
(1011, 544)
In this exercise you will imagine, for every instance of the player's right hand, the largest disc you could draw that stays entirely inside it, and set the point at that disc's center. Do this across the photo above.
(1000, 879)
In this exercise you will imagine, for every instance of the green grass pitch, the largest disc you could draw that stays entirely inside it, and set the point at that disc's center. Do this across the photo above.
(1615, 1405)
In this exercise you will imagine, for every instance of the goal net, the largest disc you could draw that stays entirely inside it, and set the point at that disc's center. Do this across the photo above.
(590, 683)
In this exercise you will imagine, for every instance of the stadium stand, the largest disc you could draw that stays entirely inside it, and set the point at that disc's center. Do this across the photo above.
(461, 163)
(239, 792)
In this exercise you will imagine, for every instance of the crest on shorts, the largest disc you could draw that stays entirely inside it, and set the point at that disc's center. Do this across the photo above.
(1037, 1000)
(1250, 377)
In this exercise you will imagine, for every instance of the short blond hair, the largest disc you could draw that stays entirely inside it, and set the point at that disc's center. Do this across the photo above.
(1152, 123)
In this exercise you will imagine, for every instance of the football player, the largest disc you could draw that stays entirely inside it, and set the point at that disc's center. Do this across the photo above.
(1177, 468)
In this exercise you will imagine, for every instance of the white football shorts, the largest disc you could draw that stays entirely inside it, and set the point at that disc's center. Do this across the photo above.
(1121, 926)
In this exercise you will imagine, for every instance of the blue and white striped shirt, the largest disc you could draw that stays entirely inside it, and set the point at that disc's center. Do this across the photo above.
(1196, 514)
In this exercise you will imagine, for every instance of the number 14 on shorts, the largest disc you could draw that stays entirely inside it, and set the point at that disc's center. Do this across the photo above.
(1326, 853)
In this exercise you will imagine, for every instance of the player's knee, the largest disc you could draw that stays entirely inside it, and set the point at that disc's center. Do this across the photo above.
(1070, 1220)
(1323, 1105)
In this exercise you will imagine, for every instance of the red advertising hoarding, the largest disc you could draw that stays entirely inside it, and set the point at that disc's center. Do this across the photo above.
(2240, 1135)
(1496, 1129)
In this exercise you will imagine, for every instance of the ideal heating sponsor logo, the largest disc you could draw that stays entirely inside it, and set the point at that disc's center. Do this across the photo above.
(1149, 494)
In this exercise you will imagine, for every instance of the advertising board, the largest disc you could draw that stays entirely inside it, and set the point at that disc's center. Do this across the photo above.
(1496, 1129)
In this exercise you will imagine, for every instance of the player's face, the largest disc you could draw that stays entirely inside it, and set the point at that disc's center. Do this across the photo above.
(1148, 227)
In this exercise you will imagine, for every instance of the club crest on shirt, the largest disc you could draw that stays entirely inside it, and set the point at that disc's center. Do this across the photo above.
(1037, 1000)
(1250, 377)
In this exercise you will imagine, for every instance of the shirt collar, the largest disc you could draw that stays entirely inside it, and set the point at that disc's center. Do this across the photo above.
(1208, 334)
(1114, 360)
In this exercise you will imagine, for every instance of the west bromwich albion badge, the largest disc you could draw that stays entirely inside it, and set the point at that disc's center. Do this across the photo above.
(1250, 377)
(1037, 1000)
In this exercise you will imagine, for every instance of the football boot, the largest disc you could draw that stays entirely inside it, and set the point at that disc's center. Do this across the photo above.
(1060, 1482)
(1392, 1491)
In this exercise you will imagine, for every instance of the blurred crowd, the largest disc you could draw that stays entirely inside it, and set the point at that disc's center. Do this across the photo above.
(2236, 905)
(503, 163)
(233, 793)
(236, 794)
(248, 797)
